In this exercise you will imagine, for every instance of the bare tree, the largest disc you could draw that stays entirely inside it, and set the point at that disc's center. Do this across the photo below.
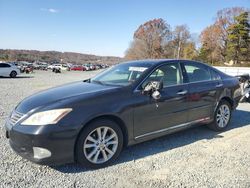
(137, 50)
(148, 40)
(181, 35)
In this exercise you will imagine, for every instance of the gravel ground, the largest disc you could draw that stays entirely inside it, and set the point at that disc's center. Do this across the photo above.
(196, 157)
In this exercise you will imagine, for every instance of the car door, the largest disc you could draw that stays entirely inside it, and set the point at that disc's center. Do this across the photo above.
(157, 116)
(204, 90)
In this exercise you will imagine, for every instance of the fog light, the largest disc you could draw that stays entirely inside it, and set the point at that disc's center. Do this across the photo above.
(40, 153)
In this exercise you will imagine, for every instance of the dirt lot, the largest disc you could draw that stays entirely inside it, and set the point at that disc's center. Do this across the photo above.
(196, 157)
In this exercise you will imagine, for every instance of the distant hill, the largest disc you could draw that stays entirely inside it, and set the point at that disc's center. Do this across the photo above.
(55, 56)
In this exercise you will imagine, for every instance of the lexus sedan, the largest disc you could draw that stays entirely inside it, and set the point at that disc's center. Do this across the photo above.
(91, 121)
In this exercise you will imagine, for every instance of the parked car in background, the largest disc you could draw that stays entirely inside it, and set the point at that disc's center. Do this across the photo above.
(98, 66)
(26, 67)
(91, 121)
(14, 63)
(50, 67)
(78, 68)
(87, 68)
(69, 65)
(60, 67)
(40, 66)
(104, 66)
(9, 70)
(91, 66)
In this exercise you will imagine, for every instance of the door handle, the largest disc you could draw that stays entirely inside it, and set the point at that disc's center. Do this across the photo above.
(182, 92)
(219, 85)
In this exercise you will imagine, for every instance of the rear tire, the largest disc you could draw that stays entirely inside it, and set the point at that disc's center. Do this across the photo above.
(13, 74)
(99, 144)
(222, 116)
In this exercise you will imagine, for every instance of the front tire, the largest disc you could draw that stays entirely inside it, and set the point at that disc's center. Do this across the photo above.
(13, 74)
(99, 144)
(222, 116)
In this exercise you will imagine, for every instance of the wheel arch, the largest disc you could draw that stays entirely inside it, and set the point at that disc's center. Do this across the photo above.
(226, 98)
(117, 120)
(114, 118)
(12, 71)
(229, 100)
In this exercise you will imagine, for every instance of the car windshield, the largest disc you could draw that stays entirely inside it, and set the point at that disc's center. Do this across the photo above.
(122, 74)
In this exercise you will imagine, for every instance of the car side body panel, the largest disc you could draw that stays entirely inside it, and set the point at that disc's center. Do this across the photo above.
(151, 115)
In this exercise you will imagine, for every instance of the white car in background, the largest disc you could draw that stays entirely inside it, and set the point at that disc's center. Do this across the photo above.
(62, 67)
(9, 70)
(51, 67)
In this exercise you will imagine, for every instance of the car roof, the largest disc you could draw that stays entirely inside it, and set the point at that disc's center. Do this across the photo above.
(149, 62)
(156, 62)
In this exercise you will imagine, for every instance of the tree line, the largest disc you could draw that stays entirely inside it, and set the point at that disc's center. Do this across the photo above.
(227, 40)
(55, 57)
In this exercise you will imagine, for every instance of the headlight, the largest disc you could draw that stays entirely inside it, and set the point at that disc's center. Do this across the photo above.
(46, 117)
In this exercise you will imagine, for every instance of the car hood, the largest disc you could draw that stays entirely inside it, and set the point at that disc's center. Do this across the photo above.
(53, 95)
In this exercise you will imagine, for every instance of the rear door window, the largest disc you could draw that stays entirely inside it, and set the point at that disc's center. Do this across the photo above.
(215, 75)
(197, 73)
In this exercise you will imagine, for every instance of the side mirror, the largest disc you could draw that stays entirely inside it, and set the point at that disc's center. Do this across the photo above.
(152, 88)
(156, 95)
(87, 80)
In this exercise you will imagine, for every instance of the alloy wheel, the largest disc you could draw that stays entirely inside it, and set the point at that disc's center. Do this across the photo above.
(100, 145)
(13, 74)
(223, 116)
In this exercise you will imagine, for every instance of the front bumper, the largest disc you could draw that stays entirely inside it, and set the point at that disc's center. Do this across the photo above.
(58, 140)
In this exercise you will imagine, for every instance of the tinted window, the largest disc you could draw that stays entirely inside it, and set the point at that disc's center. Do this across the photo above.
(169, 74)
(4, 65)
(197, 73)
(214, 75)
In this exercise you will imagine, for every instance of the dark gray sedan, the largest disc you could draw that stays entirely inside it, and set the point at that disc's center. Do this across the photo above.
(91, 121)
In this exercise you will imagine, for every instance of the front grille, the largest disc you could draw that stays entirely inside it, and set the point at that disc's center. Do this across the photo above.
(15, 117)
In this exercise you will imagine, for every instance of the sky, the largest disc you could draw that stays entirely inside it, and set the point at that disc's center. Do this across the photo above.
(99, 27)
